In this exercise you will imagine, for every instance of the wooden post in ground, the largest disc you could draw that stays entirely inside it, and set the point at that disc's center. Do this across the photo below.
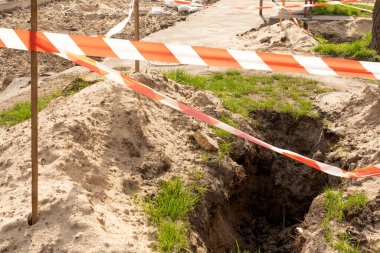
(305, 9)
(34, 103)
(137, 30)
(282, 11)
(261, 6)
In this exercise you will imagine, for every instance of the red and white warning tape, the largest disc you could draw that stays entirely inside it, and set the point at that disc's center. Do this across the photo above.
(161, 98)
(355, 7)
(307, 5)
(119, 27)
(193, 55)
(191, 3)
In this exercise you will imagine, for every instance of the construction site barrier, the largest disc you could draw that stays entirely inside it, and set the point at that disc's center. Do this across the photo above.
(308, 5)
(140, 88)
(191, 55)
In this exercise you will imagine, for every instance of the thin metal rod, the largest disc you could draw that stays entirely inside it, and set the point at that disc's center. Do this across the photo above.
(137, 30)
(261, 9)
(34, 98)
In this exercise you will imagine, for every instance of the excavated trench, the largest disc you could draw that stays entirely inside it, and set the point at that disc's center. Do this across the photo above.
(261, 210)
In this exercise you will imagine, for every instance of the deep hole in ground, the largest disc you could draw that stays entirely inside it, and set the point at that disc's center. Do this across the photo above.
(261, 210)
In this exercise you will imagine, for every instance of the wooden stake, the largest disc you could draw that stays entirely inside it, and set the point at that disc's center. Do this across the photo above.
(305, 10)
(34, 98)
(137, 30)
(261, 5)
(282, 11)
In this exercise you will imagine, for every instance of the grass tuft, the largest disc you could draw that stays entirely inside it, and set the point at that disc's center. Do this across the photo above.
(357, 50)
(169, 210)
(76, 86)
(342, 10)
(244, 94)
(21, 111)
(343, 245)
(238, 250)
(171, 236)
(339, 208)
(174, 201)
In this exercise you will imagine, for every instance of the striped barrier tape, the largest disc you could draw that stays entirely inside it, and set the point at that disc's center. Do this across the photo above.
(119, 27)
(289, 13)
(193, 55)
(272, 7)
(307, 5)
(358, 8)
(140, 88)
(191, 3)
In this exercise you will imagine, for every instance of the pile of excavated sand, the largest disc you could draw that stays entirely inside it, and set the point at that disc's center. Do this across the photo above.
(286, 37)
(341, 31)
(92, 18)
(104, 144)
(97, 148)
(355, 114)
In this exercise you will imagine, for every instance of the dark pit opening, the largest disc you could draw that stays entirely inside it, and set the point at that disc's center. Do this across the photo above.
(261, 211)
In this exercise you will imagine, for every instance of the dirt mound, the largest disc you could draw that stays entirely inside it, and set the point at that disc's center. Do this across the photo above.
(105, 144)
(96, 149)
(354, 115)
(76, 17)
(341, 31)
(285, 37)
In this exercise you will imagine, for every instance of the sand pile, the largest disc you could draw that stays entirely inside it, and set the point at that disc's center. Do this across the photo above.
(354, 116)
(74, 17)
(103, 145)
(341, 31)
(285, 37)
(97, 147)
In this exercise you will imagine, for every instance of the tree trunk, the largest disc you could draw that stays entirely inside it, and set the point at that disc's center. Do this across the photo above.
(375, 44)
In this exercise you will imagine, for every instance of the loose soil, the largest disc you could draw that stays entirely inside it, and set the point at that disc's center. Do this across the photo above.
(75, 17)
(281, 38)
(289, 38)
(341, 31)
(262, 210)
(95, 152)
(104, 143)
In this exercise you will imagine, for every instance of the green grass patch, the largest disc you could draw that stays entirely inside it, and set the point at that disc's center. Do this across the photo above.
(21, 111)
(224, 149)
(76, 86)
(343, 245)
(340, 10)
(171, 236)
(357, 50)
(244, 94)
(168, 211)
(338, 208)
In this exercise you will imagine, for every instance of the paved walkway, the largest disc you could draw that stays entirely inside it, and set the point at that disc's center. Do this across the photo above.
(213, 27)
(216, 26)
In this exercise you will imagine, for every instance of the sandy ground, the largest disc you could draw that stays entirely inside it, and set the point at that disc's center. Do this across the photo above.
(286, 37)
(289, 38)
(90, 164)
(78, 17)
